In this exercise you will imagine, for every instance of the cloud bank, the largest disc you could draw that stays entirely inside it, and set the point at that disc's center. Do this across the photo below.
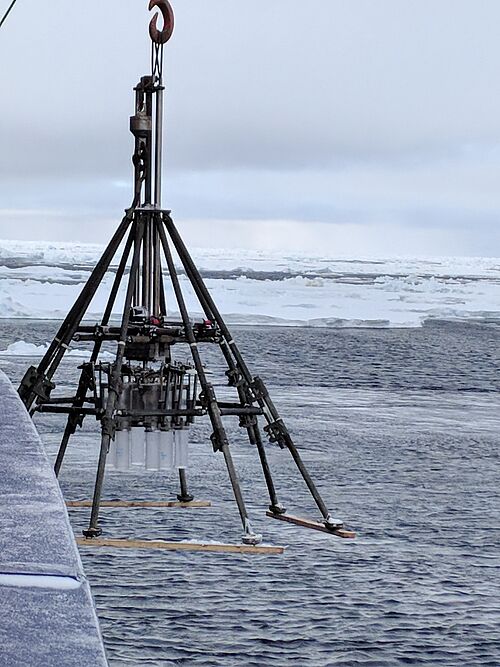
(380, 117)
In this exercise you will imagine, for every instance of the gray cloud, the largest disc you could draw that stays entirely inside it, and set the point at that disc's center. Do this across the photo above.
(359, 113)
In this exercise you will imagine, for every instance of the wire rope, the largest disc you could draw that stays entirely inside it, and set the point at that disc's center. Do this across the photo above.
(4, 17)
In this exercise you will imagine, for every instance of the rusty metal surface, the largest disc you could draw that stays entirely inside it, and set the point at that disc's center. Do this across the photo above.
(161, 36)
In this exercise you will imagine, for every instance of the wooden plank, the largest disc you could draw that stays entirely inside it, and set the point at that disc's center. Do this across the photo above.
(315, 525)
(141, 503)
(179, 546)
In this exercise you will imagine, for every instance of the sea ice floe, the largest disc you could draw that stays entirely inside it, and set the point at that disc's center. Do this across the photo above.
(293, 289)
(22, 349)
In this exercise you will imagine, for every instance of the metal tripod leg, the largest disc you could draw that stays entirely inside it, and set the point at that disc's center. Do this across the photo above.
(85, 381)
(276, 426)
(255, 439)
(204, 295)
(219, 437)
(107, 422)
(68, 432)
(184, 496)
(59, 345)
(279, 432)
(252, 427)
(73, 419)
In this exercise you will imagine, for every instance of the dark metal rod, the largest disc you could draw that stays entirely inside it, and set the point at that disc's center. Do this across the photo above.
(149, 171)
(182, 306)
(270, 412)
(242, 405)
(57, 400)
(254, 434)
(71, 424)
(140, 152)
(9, 9)
(174, 337)
(68, 432)
(85, 380)
(146, 263)
(116, 284)
(113, 390)
(156, 274)
(76, 314)
(137, 290)
(219, 436)
(256, 439)
(168, 330)
(67, 410)
(163, 298)
(201, 289)
(125, 414)
(225, 412)
(93, 283)
(158, 144)
(285, 436)
(237, 412)
(184, 496)
(62, 339)
(200, 293)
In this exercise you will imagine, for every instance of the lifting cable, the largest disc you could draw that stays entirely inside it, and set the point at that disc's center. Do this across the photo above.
(2, 20)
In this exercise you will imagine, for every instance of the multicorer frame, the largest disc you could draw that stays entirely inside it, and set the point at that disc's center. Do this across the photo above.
(144, 388)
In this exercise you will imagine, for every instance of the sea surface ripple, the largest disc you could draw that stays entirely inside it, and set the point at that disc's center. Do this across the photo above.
(400, 428)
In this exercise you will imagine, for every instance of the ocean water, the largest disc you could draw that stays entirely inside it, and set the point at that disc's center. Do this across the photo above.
(400, 429)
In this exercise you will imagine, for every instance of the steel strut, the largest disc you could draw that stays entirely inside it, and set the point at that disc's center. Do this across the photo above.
(86, 380)
(184, 496)
(114, 386)
(252, 427)
(219, 436)
(250, 424)
(276, 428)
(60, 344)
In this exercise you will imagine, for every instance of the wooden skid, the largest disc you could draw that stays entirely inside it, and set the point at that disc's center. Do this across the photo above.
(315, 525)
(140, 503)
(176, 546)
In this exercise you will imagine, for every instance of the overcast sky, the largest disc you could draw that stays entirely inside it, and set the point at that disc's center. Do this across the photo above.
(353, 127)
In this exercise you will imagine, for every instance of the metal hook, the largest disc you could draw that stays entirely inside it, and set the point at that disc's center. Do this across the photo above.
(161, 36)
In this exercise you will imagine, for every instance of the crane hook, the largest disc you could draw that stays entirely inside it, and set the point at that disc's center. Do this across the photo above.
(161, 36)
